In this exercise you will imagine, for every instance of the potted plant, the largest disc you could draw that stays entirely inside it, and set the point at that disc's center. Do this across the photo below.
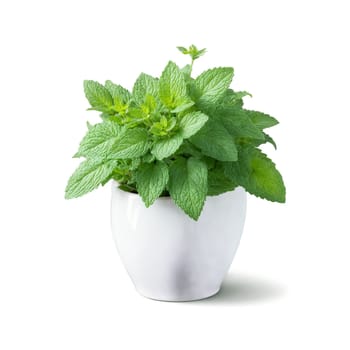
(181, 153)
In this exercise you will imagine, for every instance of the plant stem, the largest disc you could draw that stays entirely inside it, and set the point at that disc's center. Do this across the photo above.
(191, 66)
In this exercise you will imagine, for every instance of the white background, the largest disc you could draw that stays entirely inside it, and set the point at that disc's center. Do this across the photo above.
(62, 285)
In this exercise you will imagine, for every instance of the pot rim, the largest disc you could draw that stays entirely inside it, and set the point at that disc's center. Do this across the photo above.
(115, 184)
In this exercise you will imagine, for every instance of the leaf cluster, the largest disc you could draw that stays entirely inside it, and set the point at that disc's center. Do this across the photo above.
(176, 136)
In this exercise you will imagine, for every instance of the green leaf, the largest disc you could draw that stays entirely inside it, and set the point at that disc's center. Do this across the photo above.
(151, 179)
(111, 118)
(188, 185)
(187, 148)
(261, 120)
(234, 99)
(145, 85)
(237, 95)
(135, 114)
(212, 84)
(148, 158)
(199, 53)
(191, 123)
(132, 143)
(97, 95)
(192, 51)
(182, 49)
(183, 107)
(99, 140)
(164, 148)
(149, 105)
(270, 140)
(88, 176)
(119, 94)
(218, 182)
(215, 141)
(238, 123)
(172, 86)
(259, 176)
(186, 71)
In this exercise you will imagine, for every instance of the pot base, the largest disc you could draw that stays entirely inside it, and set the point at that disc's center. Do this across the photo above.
(179, 298)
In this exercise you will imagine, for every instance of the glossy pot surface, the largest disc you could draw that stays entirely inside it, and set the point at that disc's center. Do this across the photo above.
(170, 256)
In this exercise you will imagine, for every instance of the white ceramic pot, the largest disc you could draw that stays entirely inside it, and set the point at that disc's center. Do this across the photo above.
(170, 256)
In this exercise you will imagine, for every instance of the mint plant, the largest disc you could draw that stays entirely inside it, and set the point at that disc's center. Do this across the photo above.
(178, 136)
